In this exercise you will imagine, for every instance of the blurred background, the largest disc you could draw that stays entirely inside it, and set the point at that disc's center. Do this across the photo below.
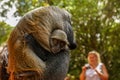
(96, 25)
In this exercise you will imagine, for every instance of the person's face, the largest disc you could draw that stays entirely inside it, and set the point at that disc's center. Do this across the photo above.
(92, 58)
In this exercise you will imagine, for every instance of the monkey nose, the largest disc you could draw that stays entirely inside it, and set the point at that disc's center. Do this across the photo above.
(55, 50)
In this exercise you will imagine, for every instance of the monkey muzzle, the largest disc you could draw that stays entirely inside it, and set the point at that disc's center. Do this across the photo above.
(55, 49)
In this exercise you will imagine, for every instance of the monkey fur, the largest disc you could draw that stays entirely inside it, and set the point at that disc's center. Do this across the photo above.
(4, 63)
(32, 52)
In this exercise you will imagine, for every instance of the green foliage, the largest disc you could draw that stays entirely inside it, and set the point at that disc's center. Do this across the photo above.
(4, 32)
(96, 24)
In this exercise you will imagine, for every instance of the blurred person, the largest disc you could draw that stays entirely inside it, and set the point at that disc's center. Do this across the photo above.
(94, 69)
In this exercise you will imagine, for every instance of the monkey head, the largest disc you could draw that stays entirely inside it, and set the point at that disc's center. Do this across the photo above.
(58, 41)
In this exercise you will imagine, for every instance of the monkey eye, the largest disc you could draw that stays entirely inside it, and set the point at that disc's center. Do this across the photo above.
(55, 41)
(62, 44)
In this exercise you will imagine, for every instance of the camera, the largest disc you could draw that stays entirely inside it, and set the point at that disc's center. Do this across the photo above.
(87, 67)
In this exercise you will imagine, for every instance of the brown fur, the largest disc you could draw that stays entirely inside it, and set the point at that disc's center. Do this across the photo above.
(39, 23)
(4, 63)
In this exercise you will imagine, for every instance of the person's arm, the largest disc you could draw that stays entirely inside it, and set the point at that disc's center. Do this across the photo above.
(82, 75)
(104, 75)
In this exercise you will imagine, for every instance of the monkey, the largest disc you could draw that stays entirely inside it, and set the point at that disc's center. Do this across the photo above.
(35, 55)
(58, 41)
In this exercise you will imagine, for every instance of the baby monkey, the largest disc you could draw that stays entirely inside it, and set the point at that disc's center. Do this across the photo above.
(58, 41)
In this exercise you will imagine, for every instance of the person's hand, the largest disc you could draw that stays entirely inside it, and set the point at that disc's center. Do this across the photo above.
(84, 68)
